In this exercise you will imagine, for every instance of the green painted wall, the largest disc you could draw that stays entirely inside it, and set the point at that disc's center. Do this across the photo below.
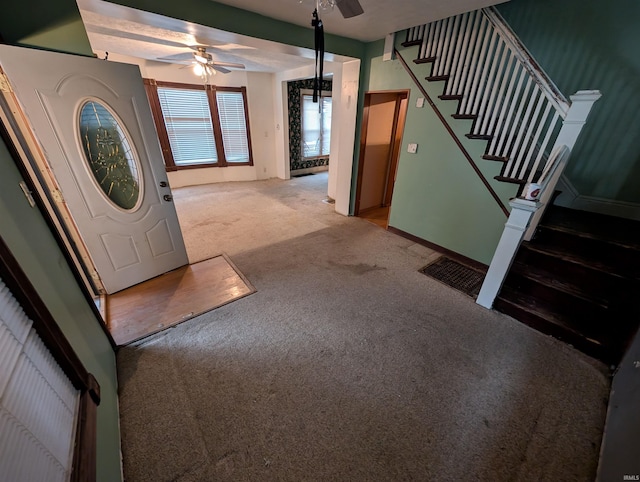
(27, 234)
(591, 44)
(232, 19)
(52, 25)
(437, 195)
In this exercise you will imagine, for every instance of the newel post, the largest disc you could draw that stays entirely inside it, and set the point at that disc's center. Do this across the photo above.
(521, 212)
(581, 104)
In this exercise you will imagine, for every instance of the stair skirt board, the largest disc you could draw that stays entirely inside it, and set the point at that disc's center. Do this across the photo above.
(456, 275)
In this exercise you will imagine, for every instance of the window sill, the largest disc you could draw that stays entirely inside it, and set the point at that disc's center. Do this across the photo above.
(206, 166)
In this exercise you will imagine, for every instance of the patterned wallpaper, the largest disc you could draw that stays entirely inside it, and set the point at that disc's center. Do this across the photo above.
(295, 130)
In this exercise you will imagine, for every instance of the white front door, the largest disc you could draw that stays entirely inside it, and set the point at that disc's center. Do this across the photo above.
(93, 122)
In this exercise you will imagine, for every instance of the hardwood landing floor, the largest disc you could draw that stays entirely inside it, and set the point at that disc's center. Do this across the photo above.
(378, 216)
(174, 297)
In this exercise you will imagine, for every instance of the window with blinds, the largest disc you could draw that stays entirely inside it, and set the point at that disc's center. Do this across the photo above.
(38, 403)
(201, 125)
(187, 118)
(233, 125)
(316, 126)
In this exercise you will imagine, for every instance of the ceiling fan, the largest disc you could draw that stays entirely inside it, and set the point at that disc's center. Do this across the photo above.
(202, 62)
(348, 8)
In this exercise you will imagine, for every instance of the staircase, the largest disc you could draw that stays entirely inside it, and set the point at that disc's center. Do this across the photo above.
(514, 105)
(578, 280)
(577, 277)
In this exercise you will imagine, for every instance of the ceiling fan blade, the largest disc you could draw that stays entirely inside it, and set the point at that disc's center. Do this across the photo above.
(99, 29)
(184, 57)
(349, 8)
(220, 69)
(231, 65)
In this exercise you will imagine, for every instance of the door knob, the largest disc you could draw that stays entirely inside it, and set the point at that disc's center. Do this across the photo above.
(167, 197)
(163, 184)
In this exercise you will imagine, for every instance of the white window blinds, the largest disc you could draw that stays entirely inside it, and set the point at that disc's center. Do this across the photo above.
(316, 126)
(39, 405)
(233, 125)
(188, 120)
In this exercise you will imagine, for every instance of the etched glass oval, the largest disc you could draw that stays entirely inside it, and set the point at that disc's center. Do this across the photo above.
(109, 155)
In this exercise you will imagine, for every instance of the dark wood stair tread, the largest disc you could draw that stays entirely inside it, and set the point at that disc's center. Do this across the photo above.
(424, 60)
(560, 326)
(551, 280)
(436, 78)
(489, 157)
(464, 116)
(618, 231)
(567, 255)
(510, 180)
(450, 97)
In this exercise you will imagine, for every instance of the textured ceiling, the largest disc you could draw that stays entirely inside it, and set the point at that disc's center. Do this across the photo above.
(380, 16)
(117, 29)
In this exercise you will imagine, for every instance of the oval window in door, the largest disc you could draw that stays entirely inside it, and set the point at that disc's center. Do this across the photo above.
(109, 154)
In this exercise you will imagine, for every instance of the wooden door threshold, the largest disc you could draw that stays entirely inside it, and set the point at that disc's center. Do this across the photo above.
(174, 297)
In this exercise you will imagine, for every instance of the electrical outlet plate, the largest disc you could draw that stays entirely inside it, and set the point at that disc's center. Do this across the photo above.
(412, 148)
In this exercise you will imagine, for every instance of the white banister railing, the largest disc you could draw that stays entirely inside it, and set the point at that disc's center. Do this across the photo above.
(513, 102)
(529, 124)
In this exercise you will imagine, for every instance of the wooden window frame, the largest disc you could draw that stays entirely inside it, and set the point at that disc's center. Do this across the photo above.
(151, 87)
(85, 445)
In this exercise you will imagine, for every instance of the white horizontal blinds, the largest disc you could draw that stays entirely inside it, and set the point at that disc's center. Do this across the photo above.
(38, 403)
(316, 126)
(188, 120)
(326, 126)
(233, 125)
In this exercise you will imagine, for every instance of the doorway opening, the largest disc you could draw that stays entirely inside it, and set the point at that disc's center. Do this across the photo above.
(382, 129)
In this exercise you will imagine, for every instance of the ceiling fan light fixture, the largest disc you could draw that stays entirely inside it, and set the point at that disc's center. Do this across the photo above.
(198, 69)
(348, 8)
(201, 55)
(326, 4)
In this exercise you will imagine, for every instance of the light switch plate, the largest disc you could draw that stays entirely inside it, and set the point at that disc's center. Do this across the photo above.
(412, 148)
(420, 102)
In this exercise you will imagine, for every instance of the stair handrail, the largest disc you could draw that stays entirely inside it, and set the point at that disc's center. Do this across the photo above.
(451, 132)
(524, 116)
(555, 96)
(560, 155)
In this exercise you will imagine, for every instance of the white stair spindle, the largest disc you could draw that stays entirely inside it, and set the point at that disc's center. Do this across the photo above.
(454, 69)
(479, 59)
(495, 99)
(510, 123)
(531, 140)
(469, 58)
(485, 76)
(443, 49)
(471, 21)
(451, 44)
(430, 40)
(500, 131)
(524, 133)
(547, 140)
(538, 152)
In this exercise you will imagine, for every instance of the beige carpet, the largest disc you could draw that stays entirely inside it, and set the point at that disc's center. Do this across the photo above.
(348, 364)
(233, 217)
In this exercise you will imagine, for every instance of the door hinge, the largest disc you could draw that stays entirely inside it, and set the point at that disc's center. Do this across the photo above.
(5, 86)
(57, 196)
